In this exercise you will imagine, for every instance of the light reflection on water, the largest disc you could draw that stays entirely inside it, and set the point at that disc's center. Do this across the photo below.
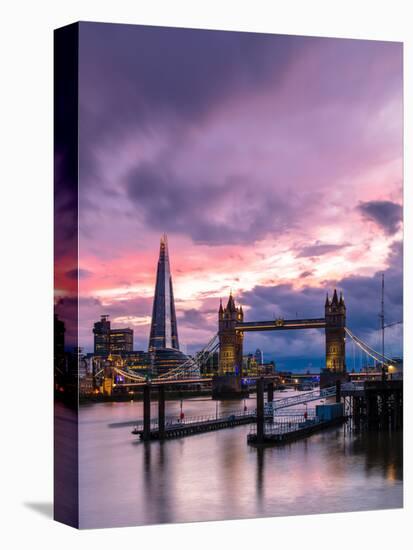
(216, 475)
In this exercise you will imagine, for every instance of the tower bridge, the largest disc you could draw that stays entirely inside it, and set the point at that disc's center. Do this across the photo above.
(228, 342)
(231, 329)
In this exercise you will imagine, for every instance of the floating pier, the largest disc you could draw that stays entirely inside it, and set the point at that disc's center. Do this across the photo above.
(280, 433)
(163, 428)
(193, 426)
(289, 429)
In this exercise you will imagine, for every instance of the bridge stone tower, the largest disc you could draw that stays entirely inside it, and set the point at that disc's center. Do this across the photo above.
(230, 340)
(335, 317)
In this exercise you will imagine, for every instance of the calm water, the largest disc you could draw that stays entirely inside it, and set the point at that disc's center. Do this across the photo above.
(217, 476)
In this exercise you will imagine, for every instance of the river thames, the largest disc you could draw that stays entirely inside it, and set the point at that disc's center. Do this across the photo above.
(216, 475)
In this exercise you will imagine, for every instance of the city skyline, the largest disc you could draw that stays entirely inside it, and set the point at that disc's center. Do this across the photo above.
(280, 178)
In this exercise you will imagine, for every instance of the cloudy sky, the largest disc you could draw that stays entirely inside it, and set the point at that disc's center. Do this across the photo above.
(273, 163)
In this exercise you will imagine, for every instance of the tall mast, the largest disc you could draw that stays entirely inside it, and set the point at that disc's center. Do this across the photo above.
(382, 318)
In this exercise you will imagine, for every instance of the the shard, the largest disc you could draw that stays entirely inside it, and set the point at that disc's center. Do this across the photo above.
(164, 331)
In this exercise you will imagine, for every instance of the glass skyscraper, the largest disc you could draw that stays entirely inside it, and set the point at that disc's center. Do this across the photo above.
(164, 331)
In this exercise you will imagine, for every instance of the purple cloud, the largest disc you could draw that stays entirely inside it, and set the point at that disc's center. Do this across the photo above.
(319, 249)
(386, 214)
(170, 203)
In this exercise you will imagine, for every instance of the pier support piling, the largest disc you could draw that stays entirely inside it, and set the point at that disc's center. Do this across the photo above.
(146, 412)
(260, 410)
(338, 391)
(161, 412)
(356, 411)
(270, 392)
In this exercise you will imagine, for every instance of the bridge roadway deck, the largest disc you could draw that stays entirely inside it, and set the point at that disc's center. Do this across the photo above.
(281, 324)
(188, 381)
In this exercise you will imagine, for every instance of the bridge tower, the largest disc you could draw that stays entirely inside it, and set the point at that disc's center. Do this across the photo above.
(108, 380)
(335, 316)
(230, 340)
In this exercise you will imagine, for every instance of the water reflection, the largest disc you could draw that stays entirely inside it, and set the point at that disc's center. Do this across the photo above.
(217, 476)
(383, 451)
(156, 478)
(260, 479)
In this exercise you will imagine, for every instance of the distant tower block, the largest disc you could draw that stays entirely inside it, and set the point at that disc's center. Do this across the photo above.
(164, 331)
(335, 316)
(230, 340)
(259, 357)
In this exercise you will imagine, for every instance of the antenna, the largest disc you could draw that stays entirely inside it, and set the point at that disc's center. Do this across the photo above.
(382, 319)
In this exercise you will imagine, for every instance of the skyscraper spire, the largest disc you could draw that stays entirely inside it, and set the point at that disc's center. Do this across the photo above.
(164, 331)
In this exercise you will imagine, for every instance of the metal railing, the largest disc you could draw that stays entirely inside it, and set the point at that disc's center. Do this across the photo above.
(353, 385)
(287, 425)
(174, 421)
(304, 397)
(281, 413)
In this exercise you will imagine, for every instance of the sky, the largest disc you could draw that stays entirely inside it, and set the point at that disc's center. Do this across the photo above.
(273, 163)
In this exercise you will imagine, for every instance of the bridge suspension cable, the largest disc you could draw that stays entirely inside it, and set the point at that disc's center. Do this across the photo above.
(130, 376)
(381, 358)
(193, 365)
